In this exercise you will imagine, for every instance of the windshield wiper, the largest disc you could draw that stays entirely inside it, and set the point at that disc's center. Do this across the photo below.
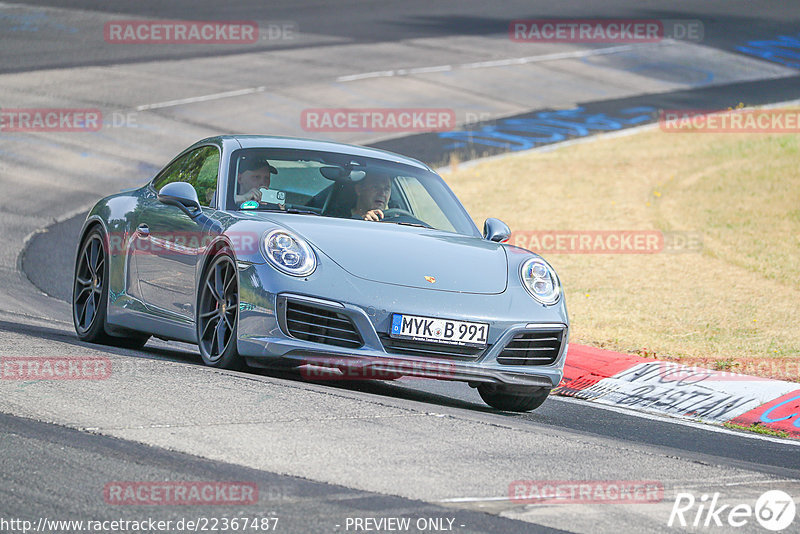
(298, 210)
(291, 210)
(408, 224)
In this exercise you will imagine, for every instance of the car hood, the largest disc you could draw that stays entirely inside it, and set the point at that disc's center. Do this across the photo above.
(406, 255)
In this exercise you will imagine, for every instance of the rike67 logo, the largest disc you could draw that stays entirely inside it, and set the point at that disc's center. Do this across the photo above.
(774, 510)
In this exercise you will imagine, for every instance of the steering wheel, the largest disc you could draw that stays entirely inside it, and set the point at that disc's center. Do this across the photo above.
(391, 213)
(402, 216)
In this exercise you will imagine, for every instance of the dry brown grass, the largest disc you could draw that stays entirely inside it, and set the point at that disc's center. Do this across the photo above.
(734, 304)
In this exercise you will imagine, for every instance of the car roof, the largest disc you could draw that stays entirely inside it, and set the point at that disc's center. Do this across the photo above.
(270, 141)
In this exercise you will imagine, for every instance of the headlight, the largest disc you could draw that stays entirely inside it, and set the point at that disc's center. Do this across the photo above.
(541, 281)
(289, 253)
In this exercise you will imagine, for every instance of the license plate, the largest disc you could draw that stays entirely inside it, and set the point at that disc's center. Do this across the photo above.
(435, 330)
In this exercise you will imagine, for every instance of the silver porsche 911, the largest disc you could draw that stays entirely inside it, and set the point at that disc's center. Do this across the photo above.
(273, 251)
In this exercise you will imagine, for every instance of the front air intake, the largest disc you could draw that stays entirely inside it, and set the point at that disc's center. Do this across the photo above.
(311, 323)
(539, 347)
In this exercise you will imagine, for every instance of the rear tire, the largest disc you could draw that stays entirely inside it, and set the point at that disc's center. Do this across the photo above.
(90, 295)
(90, 289)
(519, 400)
(218, 313)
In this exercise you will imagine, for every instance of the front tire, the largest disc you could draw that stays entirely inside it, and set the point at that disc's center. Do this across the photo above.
(218, 313)
(521, 400)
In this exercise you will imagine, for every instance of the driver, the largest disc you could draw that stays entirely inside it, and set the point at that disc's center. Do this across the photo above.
(254, 173)
(372, 197)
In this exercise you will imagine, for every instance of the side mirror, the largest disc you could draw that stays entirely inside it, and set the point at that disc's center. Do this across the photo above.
(183, 195)
(496, 230)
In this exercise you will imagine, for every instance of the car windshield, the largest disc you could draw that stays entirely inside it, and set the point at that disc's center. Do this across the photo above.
(343, 186)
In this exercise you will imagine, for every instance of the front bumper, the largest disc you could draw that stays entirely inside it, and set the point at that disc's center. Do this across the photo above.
(264, 339)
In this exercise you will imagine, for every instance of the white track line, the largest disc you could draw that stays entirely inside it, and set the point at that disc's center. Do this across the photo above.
(399, 72)
(488, 64)
(203, 98)
(676, 487)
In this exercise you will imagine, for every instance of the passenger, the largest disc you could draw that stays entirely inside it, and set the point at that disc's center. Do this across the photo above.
(253, 175)
(372, 197)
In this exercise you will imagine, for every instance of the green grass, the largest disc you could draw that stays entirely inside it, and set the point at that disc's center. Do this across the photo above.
(758, 429)
(733, 300)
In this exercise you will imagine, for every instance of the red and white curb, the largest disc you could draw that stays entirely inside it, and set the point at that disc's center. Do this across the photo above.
(676, 390)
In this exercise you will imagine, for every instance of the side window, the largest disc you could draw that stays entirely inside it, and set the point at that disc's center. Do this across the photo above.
(200, 168)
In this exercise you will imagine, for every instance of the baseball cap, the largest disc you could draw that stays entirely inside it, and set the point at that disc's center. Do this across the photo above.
(252, 163)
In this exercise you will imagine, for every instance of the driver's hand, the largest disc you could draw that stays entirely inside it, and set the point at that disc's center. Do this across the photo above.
(253, 194)
(373, 215)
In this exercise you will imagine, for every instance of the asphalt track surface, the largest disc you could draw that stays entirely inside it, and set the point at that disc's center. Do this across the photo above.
(90, 461)
(726, 23)
(54, 470)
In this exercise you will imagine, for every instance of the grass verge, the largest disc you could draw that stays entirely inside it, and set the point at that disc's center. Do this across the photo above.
(758, 429)
(732, 302)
